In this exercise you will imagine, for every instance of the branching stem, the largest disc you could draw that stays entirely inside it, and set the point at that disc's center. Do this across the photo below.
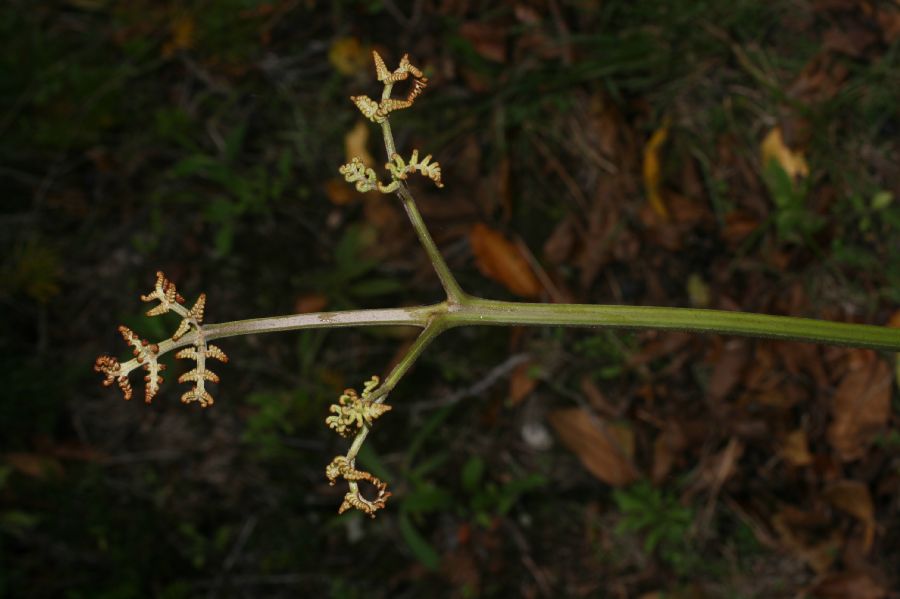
(459, 309)
(474, 311)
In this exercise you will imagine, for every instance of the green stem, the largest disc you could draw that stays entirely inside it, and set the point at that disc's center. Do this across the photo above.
(455, 294)
(428, 335)
(489, 312)
(473, 311)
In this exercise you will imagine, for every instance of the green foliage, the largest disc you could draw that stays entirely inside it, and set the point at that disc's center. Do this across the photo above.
(663, 522)
(609, 350)
(479, 499)
(275, 416)
(351, 277)
(794, 221)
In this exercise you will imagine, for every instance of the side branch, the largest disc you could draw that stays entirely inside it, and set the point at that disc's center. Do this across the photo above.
(417, 317)
(455, 294)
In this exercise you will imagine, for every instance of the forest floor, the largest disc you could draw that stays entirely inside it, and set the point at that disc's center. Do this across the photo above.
(735, 155)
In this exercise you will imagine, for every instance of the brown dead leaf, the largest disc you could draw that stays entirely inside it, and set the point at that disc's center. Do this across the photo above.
(821, 79)
(499, 259)
(652, 173)
(714, 470)
(894, 320)
(843, 585)
(738, 226)
(559, 245)
(667, 446)
(728, 366)
(340, 193)
(488, 40)
(862, 406)
(310, 302)
(602, 226)
(68, 450)
(605, 450)
(773, 148)
(795, 449)
(598, 400)
(800, 532)
(34, 465)
(853, 497)
(355, 144)
(521, 383)
(853, 39)
(889, 21)
(460, 569)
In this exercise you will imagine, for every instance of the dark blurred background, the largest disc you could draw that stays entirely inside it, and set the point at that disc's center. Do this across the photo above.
(707, 153)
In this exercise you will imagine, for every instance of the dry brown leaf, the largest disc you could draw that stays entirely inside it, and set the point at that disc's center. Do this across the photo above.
(862, 406)
(355, 144)
(604, 449)
(852, 39)
(69, 450)
(774, 148)
(894, 322)
(728, 367)
(800, 533)
(795, 449)
(853, 497)
(488, 40)
(521, 384)
(843, 585)
(652, 174)
(310, 302)
(714, 470)
(33, 464)
(889, 22)
(499, 259)
(558, 246)
(738, 226)
(667, 447)
(598, 400)
(340, 193)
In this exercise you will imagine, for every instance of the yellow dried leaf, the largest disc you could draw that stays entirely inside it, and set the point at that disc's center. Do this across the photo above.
(356, 144)
(795, 449)
(698, 291)
(348, 56)
(774, 148)
(652, 173)
(604, 449)
(182, 35)
(499, 259)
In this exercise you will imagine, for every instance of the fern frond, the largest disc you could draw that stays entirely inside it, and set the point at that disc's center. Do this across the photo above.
(341, 467)
(165, 292)
(146, 354)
